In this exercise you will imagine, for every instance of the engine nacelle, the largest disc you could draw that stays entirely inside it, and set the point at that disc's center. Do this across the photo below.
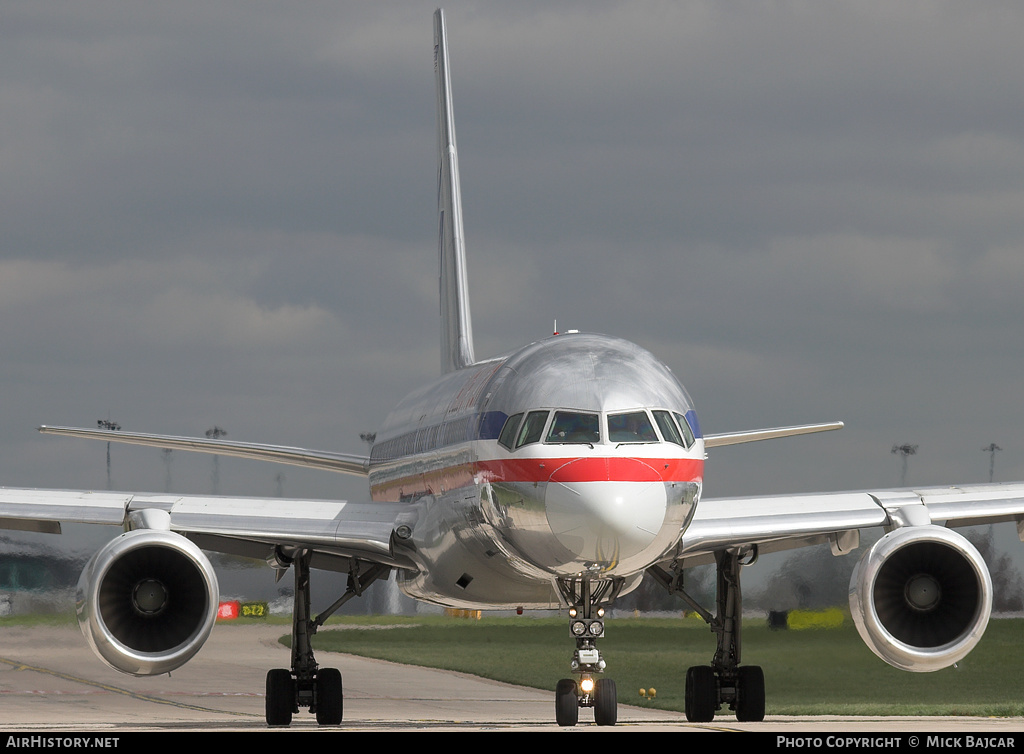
(147, 601)
(921, 597)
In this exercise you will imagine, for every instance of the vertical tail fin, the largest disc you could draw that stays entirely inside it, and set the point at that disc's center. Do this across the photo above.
(456, 325)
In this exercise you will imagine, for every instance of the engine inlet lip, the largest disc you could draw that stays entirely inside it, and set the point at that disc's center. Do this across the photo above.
(107, 640)
(873, 620)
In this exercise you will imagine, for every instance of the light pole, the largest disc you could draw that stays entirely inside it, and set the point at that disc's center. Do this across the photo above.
(904, 451)
(113, 427)
(991, 450)
(215, 433)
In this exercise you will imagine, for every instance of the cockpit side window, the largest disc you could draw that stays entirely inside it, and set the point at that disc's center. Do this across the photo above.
(532, 429)
(574, 427)
(632, 427)
(508, 431)
(668, 428)
(684, 426)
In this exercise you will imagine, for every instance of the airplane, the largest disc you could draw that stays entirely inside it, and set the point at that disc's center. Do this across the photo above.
(555, 476)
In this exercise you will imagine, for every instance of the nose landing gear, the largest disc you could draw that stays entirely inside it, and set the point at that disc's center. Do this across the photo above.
(570, 695)
(586, 625)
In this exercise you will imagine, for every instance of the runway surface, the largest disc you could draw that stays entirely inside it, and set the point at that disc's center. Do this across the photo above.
(51, 681)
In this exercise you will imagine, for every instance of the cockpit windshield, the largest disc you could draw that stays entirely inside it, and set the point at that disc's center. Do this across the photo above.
(574, 427)
(569, 427)
(669, 430)
(508, 431)
(687, 431)
(532, 429)
(632, 427)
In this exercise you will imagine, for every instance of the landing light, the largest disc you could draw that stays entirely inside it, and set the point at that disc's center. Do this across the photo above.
(587, 685)
(590, 628)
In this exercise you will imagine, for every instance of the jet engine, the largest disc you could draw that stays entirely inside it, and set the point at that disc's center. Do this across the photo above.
(147, 601)
(921, 597)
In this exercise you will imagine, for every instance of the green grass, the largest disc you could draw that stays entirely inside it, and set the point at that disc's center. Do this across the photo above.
(39, 619)
(812, 672)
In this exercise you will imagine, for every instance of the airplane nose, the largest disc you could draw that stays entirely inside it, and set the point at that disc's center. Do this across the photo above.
(608, 519)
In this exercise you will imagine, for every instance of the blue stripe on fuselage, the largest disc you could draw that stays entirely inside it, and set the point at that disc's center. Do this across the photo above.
(691, 419)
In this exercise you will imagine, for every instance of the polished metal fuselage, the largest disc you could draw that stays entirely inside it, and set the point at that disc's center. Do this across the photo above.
(494, 526)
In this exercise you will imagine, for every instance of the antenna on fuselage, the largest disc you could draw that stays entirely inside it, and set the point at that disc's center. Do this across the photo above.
(456, 325)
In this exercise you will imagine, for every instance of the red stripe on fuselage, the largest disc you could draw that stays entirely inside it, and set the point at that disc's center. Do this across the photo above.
(615, 469)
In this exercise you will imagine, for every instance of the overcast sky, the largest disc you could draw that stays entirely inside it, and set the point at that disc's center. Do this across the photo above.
(224, 213)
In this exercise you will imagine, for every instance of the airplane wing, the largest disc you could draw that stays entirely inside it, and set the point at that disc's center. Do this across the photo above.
(752, 435)
(781, 522)
(157, 567)
(314, 459)
(336, 531)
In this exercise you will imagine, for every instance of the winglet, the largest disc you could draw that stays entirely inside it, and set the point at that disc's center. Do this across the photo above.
(456, 325)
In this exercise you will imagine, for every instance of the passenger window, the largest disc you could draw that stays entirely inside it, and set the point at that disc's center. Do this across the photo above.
(573, 427)
(508, 432)
(632, 427)
(532, 429)
(685, 427)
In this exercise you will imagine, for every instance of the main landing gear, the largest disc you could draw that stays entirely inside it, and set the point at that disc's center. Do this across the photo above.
(724, 682)
(586, 625)
(306, 684)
